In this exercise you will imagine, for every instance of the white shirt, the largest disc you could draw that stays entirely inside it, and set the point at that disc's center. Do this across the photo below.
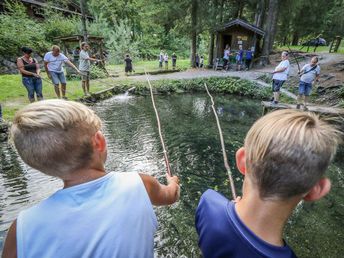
(55, 63)
(84, 63)
(309, 77)
(282, 76)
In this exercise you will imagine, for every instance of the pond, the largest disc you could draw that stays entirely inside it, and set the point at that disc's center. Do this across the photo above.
(191, 136)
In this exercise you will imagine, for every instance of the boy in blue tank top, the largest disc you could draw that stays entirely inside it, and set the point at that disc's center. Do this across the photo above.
(96, 214)
(284, 158)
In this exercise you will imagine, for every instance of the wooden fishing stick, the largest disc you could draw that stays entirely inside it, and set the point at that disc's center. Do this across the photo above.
(229, 172)
(167, 163)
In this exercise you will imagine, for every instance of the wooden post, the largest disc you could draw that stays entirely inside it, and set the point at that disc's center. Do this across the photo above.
(83, 19)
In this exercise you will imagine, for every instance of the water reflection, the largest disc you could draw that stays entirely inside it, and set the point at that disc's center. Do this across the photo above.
(191, 137)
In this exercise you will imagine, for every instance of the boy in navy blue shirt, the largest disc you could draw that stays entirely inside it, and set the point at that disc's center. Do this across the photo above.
(284, 158)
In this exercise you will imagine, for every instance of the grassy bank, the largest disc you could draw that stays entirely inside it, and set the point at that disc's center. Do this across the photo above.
(13, 95)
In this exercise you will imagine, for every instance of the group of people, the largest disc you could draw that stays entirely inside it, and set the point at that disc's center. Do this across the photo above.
(163, 59)
(308, 75)
(54, 61)
(241, 57)
(100, 214)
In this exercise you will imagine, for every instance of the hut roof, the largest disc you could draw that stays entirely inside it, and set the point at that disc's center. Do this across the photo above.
(239, 22)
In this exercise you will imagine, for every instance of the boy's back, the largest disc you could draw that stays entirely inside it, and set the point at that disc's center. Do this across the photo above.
(223, 234)
(108, 217)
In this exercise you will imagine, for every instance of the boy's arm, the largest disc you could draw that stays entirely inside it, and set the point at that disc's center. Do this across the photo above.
(10, 247)
(160, 194)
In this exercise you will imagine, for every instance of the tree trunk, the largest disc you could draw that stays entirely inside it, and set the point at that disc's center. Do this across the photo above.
(194, 8)
(83, 19)
(259, 16)
(295, 39)
(274, 27)
(221, 10)
(211, 49)
(270, 27)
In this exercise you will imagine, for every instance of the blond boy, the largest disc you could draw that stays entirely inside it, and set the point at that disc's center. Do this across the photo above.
(96, 214)
(284, 158)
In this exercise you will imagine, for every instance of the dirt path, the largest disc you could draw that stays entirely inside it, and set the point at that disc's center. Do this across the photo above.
(325, 61)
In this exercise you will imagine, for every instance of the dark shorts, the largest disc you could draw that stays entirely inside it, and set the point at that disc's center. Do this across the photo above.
(305, 88)
(128, 69)
(85, 75)
(277, 85)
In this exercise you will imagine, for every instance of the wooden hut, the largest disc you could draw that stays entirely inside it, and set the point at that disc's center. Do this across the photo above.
(237, 33)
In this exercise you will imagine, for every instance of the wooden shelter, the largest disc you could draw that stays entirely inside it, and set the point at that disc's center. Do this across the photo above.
(68, 45)
(237, 33)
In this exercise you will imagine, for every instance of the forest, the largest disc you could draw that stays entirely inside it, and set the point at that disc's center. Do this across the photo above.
(144, 27)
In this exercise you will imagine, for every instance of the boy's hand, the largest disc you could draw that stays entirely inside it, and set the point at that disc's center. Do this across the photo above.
(172, 179)
(160, 194)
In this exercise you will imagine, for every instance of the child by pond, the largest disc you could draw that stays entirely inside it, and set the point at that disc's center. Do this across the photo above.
(128, 64)
(280, 169)
(96, 214)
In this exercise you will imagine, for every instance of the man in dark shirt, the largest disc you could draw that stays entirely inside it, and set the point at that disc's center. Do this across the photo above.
(281, 168)
(174, 60)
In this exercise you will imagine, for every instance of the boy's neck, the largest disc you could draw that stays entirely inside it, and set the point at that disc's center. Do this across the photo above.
(265, 218)
(83, 176)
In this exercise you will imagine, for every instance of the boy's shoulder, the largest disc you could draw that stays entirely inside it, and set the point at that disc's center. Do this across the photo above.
(223, 234)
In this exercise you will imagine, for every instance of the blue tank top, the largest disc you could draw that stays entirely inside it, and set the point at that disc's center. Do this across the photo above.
(223, 234)
(111, 216)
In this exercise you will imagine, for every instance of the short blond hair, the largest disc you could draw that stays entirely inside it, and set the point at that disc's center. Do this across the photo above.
(55, 47)
(54, 136)
(288, 151)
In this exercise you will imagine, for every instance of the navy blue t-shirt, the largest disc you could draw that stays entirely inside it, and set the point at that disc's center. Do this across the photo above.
(223, 234)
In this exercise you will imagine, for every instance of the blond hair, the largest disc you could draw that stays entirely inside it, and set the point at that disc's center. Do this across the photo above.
(55, 47)
(288, 151)
(54, 136)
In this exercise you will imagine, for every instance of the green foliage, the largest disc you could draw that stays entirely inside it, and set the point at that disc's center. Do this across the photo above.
(97, 72)
(228, 85)
(17, 30)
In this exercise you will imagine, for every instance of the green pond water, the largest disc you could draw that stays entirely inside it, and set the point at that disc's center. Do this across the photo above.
(191, 136)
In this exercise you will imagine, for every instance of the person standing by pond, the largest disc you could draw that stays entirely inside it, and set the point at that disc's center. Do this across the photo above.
(280, 75)
(84, 67)
(30, 71)
(128, 64)
(166, 61)
(161, 59)
(174, 60)
(53, 63)
(280, 169)
(95, 214)
(248, 58)
(309, 73)
(197, 60)
(226, 54)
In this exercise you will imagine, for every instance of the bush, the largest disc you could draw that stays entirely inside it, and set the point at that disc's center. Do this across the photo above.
(17, 30)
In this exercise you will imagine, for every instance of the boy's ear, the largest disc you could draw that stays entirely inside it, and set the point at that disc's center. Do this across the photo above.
(99, 142)
(319, 190)
(240, 158)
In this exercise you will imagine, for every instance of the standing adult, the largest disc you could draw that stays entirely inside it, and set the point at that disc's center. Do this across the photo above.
(280, 75)
(53, 63)
(29, 69)
(226, 54)
(166, 60)
(161, 59)
(248, 58)
(309, 73)
(197, 60)
(174, 60)
(84, 67)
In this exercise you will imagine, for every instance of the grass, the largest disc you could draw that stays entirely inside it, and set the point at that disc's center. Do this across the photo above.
(140, 66)
(13, 94)
(311, 49)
